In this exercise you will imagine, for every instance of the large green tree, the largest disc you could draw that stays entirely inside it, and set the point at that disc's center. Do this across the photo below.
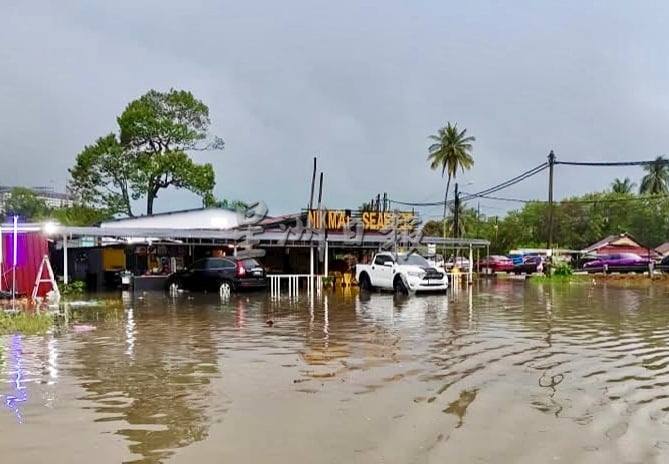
(450, 152)
(24, 203)
(656, 180)
(79, 215)
(103, 176)
(156, 133)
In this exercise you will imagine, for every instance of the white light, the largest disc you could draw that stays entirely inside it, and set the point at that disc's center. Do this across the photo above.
(50, 228)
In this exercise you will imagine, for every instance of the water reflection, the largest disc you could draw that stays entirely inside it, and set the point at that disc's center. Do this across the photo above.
(164, 373)
(156, 383)
(14, 370)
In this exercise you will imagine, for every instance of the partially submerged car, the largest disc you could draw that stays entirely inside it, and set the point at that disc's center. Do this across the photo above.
(402, 273)
(618, 262)
(223, 275)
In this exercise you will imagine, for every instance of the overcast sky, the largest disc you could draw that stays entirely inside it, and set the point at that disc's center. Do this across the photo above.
(360, 84)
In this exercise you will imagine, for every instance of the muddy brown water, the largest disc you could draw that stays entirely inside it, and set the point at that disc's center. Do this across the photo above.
(505, 373)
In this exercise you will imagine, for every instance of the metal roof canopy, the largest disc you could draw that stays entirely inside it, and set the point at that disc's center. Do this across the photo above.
(264, 238)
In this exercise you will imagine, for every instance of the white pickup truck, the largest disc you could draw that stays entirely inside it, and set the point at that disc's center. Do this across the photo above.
(402, 273)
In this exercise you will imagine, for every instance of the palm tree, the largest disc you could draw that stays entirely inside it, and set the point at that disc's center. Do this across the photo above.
(657, 180)
(622, 185)
(450, 151)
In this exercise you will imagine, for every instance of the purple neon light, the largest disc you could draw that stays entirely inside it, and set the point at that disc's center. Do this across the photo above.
(16, 233)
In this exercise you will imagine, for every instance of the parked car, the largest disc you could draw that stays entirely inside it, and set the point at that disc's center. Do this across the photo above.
(223, 275)
(460, 262)
(496, 263)
(435, 260)
(618, 262)
(516, 258)
(402, 273)
(529, 265)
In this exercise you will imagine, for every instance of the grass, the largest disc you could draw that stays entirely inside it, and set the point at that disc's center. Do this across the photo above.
(24, 322)
(540, 278)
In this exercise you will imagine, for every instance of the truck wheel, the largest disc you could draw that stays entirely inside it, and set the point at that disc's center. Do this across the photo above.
(399, 287)
(365, 283)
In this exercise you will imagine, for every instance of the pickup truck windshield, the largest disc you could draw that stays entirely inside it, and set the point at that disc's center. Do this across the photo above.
(413, 260)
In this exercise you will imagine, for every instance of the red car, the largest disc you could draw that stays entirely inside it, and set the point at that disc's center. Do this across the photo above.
(496, 264)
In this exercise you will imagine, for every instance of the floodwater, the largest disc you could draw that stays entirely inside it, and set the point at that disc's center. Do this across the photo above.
(507, 372)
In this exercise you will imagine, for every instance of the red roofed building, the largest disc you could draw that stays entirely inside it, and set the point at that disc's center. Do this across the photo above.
(621, 243)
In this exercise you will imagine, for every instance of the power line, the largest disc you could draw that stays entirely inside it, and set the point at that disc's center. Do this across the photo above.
(662, 162)
(526, 175)
(519, 178)
(591, 201)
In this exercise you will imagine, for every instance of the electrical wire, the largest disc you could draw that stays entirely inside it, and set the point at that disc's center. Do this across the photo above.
(593, 201)
(519, 178)
(526, 175)
(662, 162)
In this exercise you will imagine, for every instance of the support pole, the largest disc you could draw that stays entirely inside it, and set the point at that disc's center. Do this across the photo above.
(14, 260)
(311, 266)
(470, 271)
(66, 278)
(327, 261)
(2, 246)
(456, 220)
(551, 163)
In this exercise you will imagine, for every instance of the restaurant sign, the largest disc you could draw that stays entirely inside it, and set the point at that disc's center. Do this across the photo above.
(370, 220)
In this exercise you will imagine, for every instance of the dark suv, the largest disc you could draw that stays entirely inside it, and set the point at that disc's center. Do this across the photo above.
(223, 275)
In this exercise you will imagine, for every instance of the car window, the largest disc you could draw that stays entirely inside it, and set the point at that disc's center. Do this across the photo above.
(381, 259)
(199, 264)
(215, 263)
(413, 259)
(227, 264)
(250, 263)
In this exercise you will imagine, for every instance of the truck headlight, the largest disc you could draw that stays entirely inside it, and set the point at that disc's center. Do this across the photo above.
(418, 274)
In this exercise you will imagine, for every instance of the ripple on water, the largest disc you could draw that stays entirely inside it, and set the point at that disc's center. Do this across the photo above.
(164, 374)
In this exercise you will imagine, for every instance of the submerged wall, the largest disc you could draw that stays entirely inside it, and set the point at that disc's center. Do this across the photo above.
(31, 248)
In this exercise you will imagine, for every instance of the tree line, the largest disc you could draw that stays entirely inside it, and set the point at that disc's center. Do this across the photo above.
(578, 221)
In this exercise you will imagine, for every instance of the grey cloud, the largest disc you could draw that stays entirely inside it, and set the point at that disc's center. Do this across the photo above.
(360, 84)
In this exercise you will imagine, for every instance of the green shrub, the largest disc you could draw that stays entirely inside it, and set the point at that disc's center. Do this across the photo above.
(25, 323)
(562, 269)
(73, 288)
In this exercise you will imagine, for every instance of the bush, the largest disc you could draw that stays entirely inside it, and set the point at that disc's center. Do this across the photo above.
(563, 270)
(74, 288)
(25, 323)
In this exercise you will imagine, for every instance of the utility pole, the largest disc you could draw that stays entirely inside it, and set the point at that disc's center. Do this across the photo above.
(551, 163)
(456, 213)
(478, 216)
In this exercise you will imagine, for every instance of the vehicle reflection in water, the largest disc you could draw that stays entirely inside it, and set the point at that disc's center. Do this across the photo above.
(579, 372)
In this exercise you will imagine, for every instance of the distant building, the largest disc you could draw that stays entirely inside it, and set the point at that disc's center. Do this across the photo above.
(621, 243)
(663, 250)
(52, 198)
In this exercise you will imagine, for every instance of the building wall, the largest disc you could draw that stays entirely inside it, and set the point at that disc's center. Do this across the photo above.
(51, 198)
(31, 248)
(610, 249)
